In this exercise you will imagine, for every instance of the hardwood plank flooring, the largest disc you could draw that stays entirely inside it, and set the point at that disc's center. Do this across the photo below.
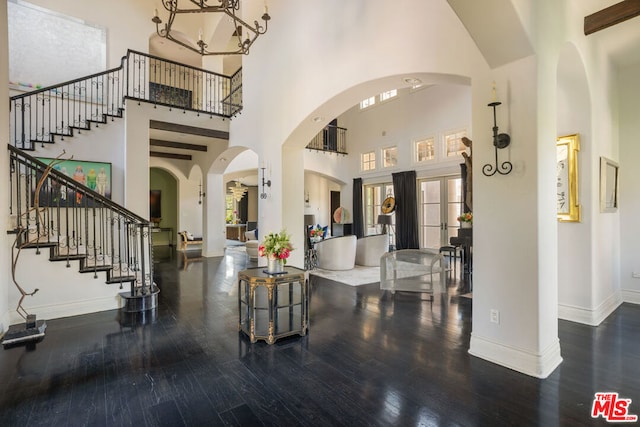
(370, 359)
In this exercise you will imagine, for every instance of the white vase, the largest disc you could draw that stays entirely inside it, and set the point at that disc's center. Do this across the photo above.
(465, 224)
(275, 265)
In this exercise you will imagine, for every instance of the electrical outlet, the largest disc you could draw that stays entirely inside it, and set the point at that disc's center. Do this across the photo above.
(635, 275)
(494, 316)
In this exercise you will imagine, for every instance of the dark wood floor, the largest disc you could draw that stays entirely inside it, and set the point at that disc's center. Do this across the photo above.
(369, 359)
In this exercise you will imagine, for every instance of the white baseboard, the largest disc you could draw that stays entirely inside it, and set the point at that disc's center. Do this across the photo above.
(536, 365)
(55, 311)
(588, 316)
(210, 254)
(630, 295)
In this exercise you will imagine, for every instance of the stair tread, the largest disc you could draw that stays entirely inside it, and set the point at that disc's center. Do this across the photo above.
(32, 245)
(91, 269)
(119, 279)
(67, 257)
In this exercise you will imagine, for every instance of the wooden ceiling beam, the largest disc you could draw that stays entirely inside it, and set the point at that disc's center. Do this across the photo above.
(190, 130)
(174, 144)
(611, 15)
(170, 155)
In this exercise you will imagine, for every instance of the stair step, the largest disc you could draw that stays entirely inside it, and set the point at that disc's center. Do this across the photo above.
(102, 122)
(87, 128)
(34, 245)
(120, 279)
(71, 257)
(92, 269)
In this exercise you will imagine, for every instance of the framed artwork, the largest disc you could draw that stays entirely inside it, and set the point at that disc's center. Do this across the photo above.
(568, 208)
(155, 205)
(95, 175)
(608, 185)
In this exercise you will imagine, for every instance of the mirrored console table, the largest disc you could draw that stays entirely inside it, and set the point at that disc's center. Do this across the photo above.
(273, 306)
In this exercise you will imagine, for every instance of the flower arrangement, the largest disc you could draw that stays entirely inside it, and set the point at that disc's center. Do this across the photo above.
(317, 231)
(276, 246)
(466, 217)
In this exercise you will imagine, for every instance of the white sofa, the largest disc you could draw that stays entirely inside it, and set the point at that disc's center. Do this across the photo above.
(251, 244)
(337, 253)
(370, 249)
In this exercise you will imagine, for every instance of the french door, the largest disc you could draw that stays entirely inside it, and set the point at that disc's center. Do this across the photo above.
(440, 203)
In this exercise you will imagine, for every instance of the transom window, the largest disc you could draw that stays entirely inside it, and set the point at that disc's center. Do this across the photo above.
(453, 143)
(389, 157)
(388, 94)
(365, 103)
(369, 161)
(425, 149)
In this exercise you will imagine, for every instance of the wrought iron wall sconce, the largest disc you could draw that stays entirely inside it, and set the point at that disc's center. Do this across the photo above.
(200, 194)
(500, 140)
(263, 193)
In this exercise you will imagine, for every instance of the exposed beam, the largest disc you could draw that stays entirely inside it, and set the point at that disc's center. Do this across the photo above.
(191, 130)
(170, 155)
(173, 144)
(611, 15)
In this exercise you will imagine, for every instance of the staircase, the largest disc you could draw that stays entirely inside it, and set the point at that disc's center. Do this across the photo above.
(51, 212)
(41, 116)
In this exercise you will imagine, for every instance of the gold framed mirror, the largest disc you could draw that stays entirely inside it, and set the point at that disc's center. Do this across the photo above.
(567, 148)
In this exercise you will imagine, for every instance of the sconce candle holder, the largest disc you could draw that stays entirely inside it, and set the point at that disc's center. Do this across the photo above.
(500, 140)
(200, 194)
(263, 193)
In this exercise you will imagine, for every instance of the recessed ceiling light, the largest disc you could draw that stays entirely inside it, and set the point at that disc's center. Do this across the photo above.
(317, 119)
(412, 81)
(223, 159)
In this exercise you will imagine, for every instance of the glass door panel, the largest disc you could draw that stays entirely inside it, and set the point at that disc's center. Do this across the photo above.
(440, 205)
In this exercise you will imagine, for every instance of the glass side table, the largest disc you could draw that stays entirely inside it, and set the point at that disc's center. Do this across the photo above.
(272, 306)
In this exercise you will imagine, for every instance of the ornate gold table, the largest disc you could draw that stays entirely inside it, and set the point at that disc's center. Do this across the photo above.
(272, 306)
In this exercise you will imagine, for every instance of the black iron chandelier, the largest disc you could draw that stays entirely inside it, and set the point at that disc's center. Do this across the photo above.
(229, 8)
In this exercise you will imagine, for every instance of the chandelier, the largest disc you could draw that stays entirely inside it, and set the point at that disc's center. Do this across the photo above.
(238, 191)
(229, 8)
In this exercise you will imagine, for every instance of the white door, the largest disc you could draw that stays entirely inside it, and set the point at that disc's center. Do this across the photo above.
(440, 203)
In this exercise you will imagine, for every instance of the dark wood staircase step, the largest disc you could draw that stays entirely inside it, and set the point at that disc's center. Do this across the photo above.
(119, 279)
(70, 257)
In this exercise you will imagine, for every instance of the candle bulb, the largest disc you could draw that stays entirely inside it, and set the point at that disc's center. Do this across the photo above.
(155, 13)
(200, 34)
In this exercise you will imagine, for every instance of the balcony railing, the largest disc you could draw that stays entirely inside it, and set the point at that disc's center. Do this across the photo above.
(41, 115)
(331, 139)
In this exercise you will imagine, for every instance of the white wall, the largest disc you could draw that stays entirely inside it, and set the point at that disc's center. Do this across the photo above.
(629, 92)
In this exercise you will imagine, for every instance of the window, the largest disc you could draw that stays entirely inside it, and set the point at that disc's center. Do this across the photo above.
(367, 102)
(229, 208)
(425, 149)
(453, 143)
(369, 161)
(388, 94)
(389, 157)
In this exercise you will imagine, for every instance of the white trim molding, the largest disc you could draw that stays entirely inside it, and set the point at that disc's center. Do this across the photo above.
(631, 296)
(539, 365)
(591, 316)
(76, 308)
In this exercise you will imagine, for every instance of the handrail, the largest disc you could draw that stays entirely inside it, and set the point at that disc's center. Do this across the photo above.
(331, 139)
(52, 210)
(78, 80)
(54, 111)
(62, 177)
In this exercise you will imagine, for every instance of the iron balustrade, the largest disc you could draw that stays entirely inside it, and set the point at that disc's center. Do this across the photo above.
(41, 115)
(331, 139)
(49, 210)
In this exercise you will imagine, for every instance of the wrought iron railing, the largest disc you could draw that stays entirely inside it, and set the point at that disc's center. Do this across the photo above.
(41, 115)
(331, 139)
(49, 210)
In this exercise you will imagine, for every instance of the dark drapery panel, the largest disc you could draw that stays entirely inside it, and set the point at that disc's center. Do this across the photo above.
(358, 213)
(404, 188)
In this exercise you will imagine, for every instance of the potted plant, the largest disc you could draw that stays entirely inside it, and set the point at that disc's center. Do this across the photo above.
(466, 220)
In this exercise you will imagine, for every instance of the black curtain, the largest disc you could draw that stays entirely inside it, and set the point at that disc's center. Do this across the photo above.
(358, 213)
(404, 188)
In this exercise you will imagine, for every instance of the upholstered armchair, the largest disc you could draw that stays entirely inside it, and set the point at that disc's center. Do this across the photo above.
(369, 249)
(252, 243)
(336, 253)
